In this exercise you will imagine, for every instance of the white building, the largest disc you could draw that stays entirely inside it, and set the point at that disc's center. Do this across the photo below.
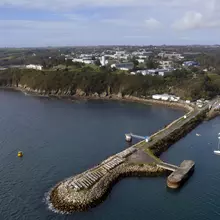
(103, 61)
(143, 72)
(121, 55)
(35, 67)
(170, 56)
(88, 61)
(141, 60)
(166, 97)
(83, 60)
(132, 73)
(154, 72)
(166, 64)
(123, 66)
(77, 60)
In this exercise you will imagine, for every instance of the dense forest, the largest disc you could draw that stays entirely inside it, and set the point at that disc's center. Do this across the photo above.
(187, 84)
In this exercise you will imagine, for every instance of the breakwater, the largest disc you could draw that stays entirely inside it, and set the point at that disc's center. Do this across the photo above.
(91, 187)
(66, 199)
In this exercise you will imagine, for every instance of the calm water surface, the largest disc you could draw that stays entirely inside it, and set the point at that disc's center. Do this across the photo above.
(63, 138)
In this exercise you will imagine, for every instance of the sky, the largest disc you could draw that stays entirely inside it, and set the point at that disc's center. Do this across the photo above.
(40, 23)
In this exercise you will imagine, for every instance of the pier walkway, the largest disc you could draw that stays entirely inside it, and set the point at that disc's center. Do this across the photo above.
(88, 188)
(167, 166)
(92, 176)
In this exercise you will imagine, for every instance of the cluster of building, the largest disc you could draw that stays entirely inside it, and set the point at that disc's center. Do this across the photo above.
(123, 60)
(84, 58)
(170, 56)
(166, 97)
(190, 63)
(201, 102)
(154, 72)
(132, 60)
(35, 67)
(172, 98)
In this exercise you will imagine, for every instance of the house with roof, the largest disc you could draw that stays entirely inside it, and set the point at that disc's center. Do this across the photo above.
(123, 66)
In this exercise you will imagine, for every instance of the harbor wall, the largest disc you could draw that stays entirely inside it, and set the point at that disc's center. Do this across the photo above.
(163, 144)
(80, 201)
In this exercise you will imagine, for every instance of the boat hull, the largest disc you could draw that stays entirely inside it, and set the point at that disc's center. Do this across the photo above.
(217, 152)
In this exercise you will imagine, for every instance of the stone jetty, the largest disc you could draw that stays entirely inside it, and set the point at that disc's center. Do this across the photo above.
(90, 188)
(181, 174)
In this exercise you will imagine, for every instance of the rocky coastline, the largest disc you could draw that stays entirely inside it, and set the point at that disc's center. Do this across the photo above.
(81, 95)
(67, 200)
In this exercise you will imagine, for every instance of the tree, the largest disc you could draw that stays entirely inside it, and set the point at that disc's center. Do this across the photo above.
(97, 62)
(135, 62)
(151, 64)
(69, 62)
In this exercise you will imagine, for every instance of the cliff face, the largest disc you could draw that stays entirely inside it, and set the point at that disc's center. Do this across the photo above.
(103, 83)
(68, 92)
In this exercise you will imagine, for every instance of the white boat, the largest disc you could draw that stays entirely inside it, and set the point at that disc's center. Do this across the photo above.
(217, 152)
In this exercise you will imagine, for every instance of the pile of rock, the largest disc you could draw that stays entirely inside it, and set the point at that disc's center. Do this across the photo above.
(63, 198)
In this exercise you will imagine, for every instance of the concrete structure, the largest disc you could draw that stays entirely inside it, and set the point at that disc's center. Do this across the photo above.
(123, 66)
(170, 56)
(181, 174)
(166, 64)
(128, 137)
(103, 61)
(126, 152)
(141, 60)
(190, 63)
(168, 166)
(166, 97)
(36, 67)
(155, 72)
(87, 185)
(83, 60)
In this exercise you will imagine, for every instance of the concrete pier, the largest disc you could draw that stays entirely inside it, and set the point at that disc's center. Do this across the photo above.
(89, 188)
(181, 174)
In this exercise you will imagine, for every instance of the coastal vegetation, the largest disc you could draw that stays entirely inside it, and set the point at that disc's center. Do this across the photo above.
(86, 81)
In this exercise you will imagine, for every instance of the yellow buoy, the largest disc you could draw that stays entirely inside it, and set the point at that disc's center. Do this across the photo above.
(20, 154)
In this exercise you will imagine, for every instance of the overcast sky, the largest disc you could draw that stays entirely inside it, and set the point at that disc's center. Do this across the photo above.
(107, 22)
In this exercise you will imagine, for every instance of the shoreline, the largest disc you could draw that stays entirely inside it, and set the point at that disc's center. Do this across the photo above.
(64, 198)
(113, 97)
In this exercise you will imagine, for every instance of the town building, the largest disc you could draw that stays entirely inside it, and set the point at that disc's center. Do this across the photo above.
(32, 66)
(166, 97)
(154, 72)
(83, 60)
(141, 60)
(166, 64)
(103, 61)
(171, 56)
(123, 66)
(190, 63)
